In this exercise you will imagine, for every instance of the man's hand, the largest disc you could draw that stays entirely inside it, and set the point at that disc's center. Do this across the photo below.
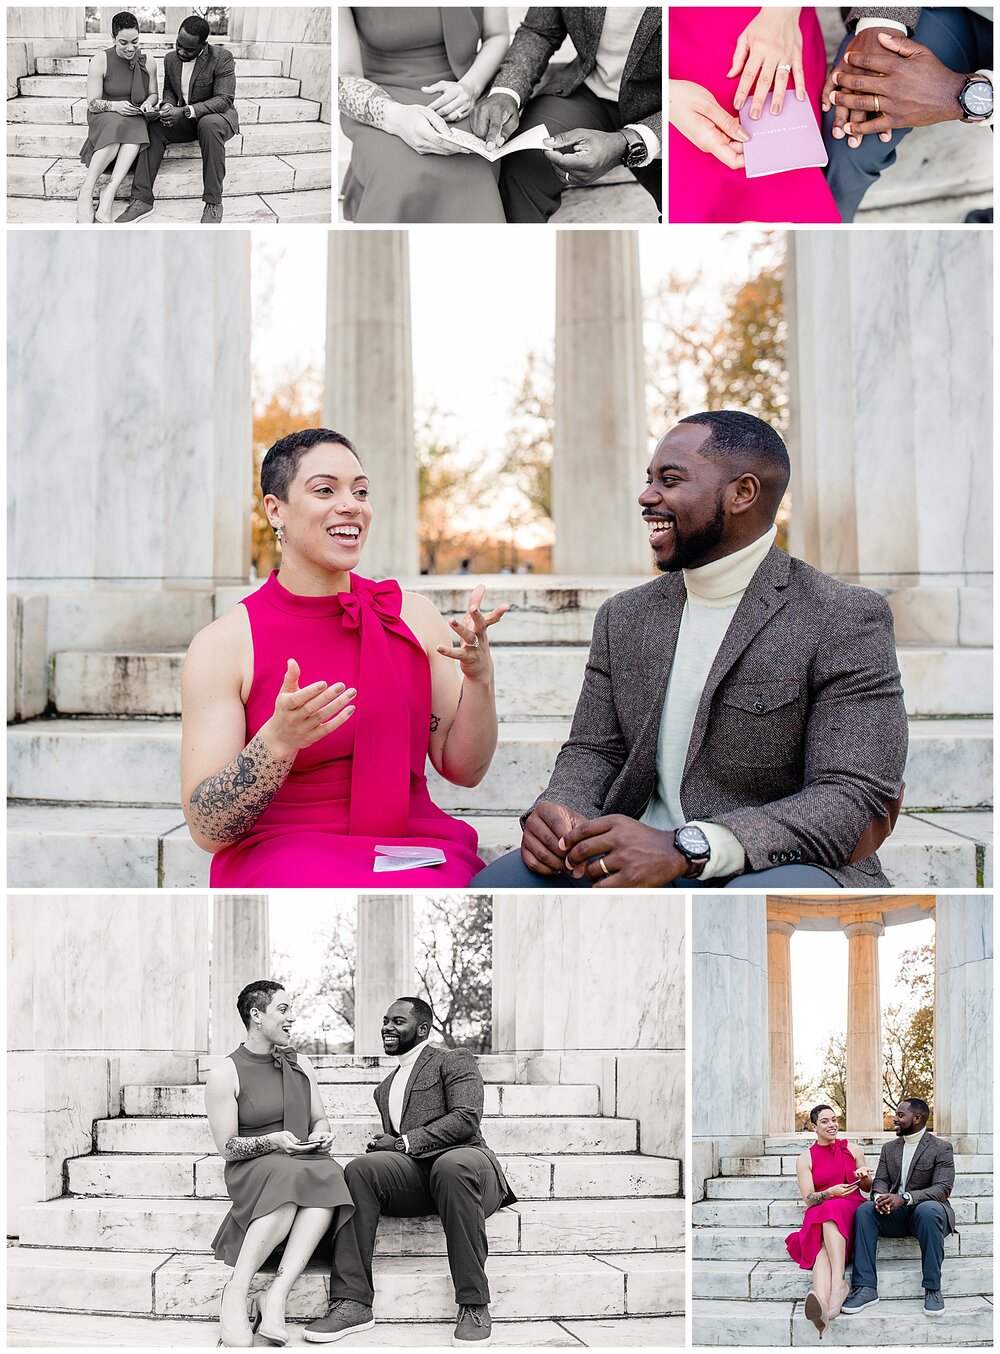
(619, 853)
(583, 156)
(699, 116)
(896, 83)
(495, 119)
(888, 1203)
(543, 828)
(171, 115)
(385, 1142)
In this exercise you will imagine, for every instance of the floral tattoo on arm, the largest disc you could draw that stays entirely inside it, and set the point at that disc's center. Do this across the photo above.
(245, 1149)
(226, 806)
(363, 100)
(817, 1197)
(99, 106)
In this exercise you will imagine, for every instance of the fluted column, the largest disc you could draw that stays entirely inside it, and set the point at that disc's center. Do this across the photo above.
(781, 1112)
(384, 967)
(241, 953)
(864, 1027)
(369, 384)
(600, 448)
(963, 1015)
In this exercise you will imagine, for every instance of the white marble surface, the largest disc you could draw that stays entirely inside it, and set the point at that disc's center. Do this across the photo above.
(312, 67)
(651, 1089)
(45, 21)
(963, 1014)
(241, 952)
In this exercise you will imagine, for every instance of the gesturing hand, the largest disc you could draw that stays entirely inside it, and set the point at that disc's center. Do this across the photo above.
(495, 119)
(770, 41)
(619, 853)
(543, 828)
(454, 99)
(474, 653)
(699, 116)
(583, 156)
(304, 715)
(890, 82)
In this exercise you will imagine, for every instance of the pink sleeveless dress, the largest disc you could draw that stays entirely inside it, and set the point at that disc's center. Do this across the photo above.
(831, 1165)
(365, 784)
(702, 189)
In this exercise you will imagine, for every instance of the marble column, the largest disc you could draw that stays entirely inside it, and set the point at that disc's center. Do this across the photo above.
(173, 17)
(129, 433)
(47, 21)
(369, 384)
(963, 1016)
(241, 952)
(601, 447)
(299, 36)
(781, 1113)
(864, 1027)
(384, 964)
(877, 394)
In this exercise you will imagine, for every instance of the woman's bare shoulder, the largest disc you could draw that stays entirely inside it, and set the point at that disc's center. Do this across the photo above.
(227, 634)
(423, 618)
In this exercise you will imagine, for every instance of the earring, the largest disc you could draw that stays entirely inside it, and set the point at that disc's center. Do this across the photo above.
(278, 531)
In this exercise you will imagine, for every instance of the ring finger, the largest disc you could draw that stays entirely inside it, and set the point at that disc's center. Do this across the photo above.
(781, 74)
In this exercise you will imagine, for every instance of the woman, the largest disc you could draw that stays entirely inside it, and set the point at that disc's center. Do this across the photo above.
(721, 59)
(121, 91)
(310, 710)
(267, 1118)
(832, 1176)
(407, 75)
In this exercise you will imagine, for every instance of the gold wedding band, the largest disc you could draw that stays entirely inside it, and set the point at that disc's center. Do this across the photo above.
(600, 861)
(877, 107)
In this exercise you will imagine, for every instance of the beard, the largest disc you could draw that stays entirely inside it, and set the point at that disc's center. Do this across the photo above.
(690, 548)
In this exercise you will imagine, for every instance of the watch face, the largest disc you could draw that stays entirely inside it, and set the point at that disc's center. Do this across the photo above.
(977, 99)
(692, 842)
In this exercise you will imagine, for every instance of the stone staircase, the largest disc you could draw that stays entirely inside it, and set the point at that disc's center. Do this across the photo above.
(746, 1290)
(595, 1241)
(278, 166)
(94, 782)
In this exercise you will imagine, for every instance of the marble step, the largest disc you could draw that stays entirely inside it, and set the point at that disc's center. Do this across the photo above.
(110, 846)
(61, 177)
(768, 1243)
(302, 207)
(75, 87)
(787, 1187)
(783, 1281)
(626, 1176)
(334, 1068)
(523, 1287)
(156, 44)
(63, 111)
(897, 1322)
(346, 1101)
(533, 1226)
(79, 65)
(518, 1136)
(788, 1212)
(263, 138)
(748, 1171)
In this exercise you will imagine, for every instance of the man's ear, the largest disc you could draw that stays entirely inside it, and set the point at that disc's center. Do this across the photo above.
(744, 493)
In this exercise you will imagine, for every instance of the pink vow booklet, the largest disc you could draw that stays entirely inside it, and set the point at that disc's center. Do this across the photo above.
(790, 139)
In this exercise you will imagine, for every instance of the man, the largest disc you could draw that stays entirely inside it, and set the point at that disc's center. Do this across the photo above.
(910, 1194)
(429, 1158)
(741, 718)
(605, 108)
(900, 68)
(199, 89)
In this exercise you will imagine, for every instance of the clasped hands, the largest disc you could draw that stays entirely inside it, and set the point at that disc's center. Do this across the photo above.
(559, 840)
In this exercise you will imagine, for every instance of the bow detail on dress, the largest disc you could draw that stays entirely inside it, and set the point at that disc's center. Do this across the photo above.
(284, 1053)
(384, 599)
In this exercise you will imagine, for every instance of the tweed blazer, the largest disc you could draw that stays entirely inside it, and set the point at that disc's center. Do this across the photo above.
(800, 736)
(213, 84)
(903, 15)
(932, 1172)
(442, 1107)
(542, 32)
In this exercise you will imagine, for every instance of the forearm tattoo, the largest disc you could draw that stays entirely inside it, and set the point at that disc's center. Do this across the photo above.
(100, 106)
(226, 806)
(363, 100)
(817, 1197)
(245, 1149)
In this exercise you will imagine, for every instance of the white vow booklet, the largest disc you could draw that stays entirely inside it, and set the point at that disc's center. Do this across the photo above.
(406, 857)
(529, 140)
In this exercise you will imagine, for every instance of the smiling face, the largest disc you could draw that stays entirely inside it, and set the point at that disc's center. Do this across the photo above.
(401, 1029)
(276, 1020)
(684, 502)
(906, 1120)
(326, 517)
(127, 43)
(826, 1126)
(187, 46)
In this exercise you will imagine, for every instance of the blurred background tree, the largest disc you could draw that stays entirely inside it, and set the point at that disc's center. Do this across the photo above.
(453, 939)
(294, 403)
(908, 1033)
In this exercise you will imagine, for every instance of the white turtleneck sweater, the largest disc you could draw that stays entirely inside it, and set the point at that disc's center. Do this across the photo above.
(910, 1144)
(398, 1085)
(713, 593)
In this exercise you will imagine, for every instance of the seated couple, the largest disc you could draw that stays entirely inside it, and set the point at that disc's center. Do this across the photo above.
(266, 1113)
(741, 719)
(897, 68)
(909, 1197)
(408, 76)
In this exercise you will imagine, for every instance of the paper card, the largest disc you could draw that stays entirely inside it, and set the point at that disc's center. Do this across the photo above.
(532, 139)
(778, 142)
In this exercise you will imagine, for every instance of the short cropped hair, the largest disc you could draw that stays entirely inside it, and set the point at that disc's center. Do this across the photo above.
(420, 1008)
(281, 463)
(197, 26)
(817, 1110)
(735, 435)
(256, 994)
(123, 21)
(918, 1106)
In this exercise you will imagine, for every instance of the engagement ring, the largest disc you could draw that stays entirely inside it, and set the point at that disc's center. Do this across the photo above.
(473, 646)
(785, 66)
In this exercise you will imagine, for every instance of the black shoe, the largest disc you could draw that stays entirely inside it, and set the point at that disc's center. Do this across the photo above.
(858, 1299)
(346, 1317)
(135, 211)
(474, 1326)
(212, 215)
(933, 1302)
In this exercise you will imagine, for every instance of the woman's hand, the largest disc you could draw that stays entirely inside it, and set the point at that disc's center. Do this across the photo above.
(839, 1191)
(474, 654)
(454, 99)
(149, 104)
(124, 107)
(697, 115)
(304, 715)
(322, 1136)
(770, 42)
(285, 1142)
(422, 129)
